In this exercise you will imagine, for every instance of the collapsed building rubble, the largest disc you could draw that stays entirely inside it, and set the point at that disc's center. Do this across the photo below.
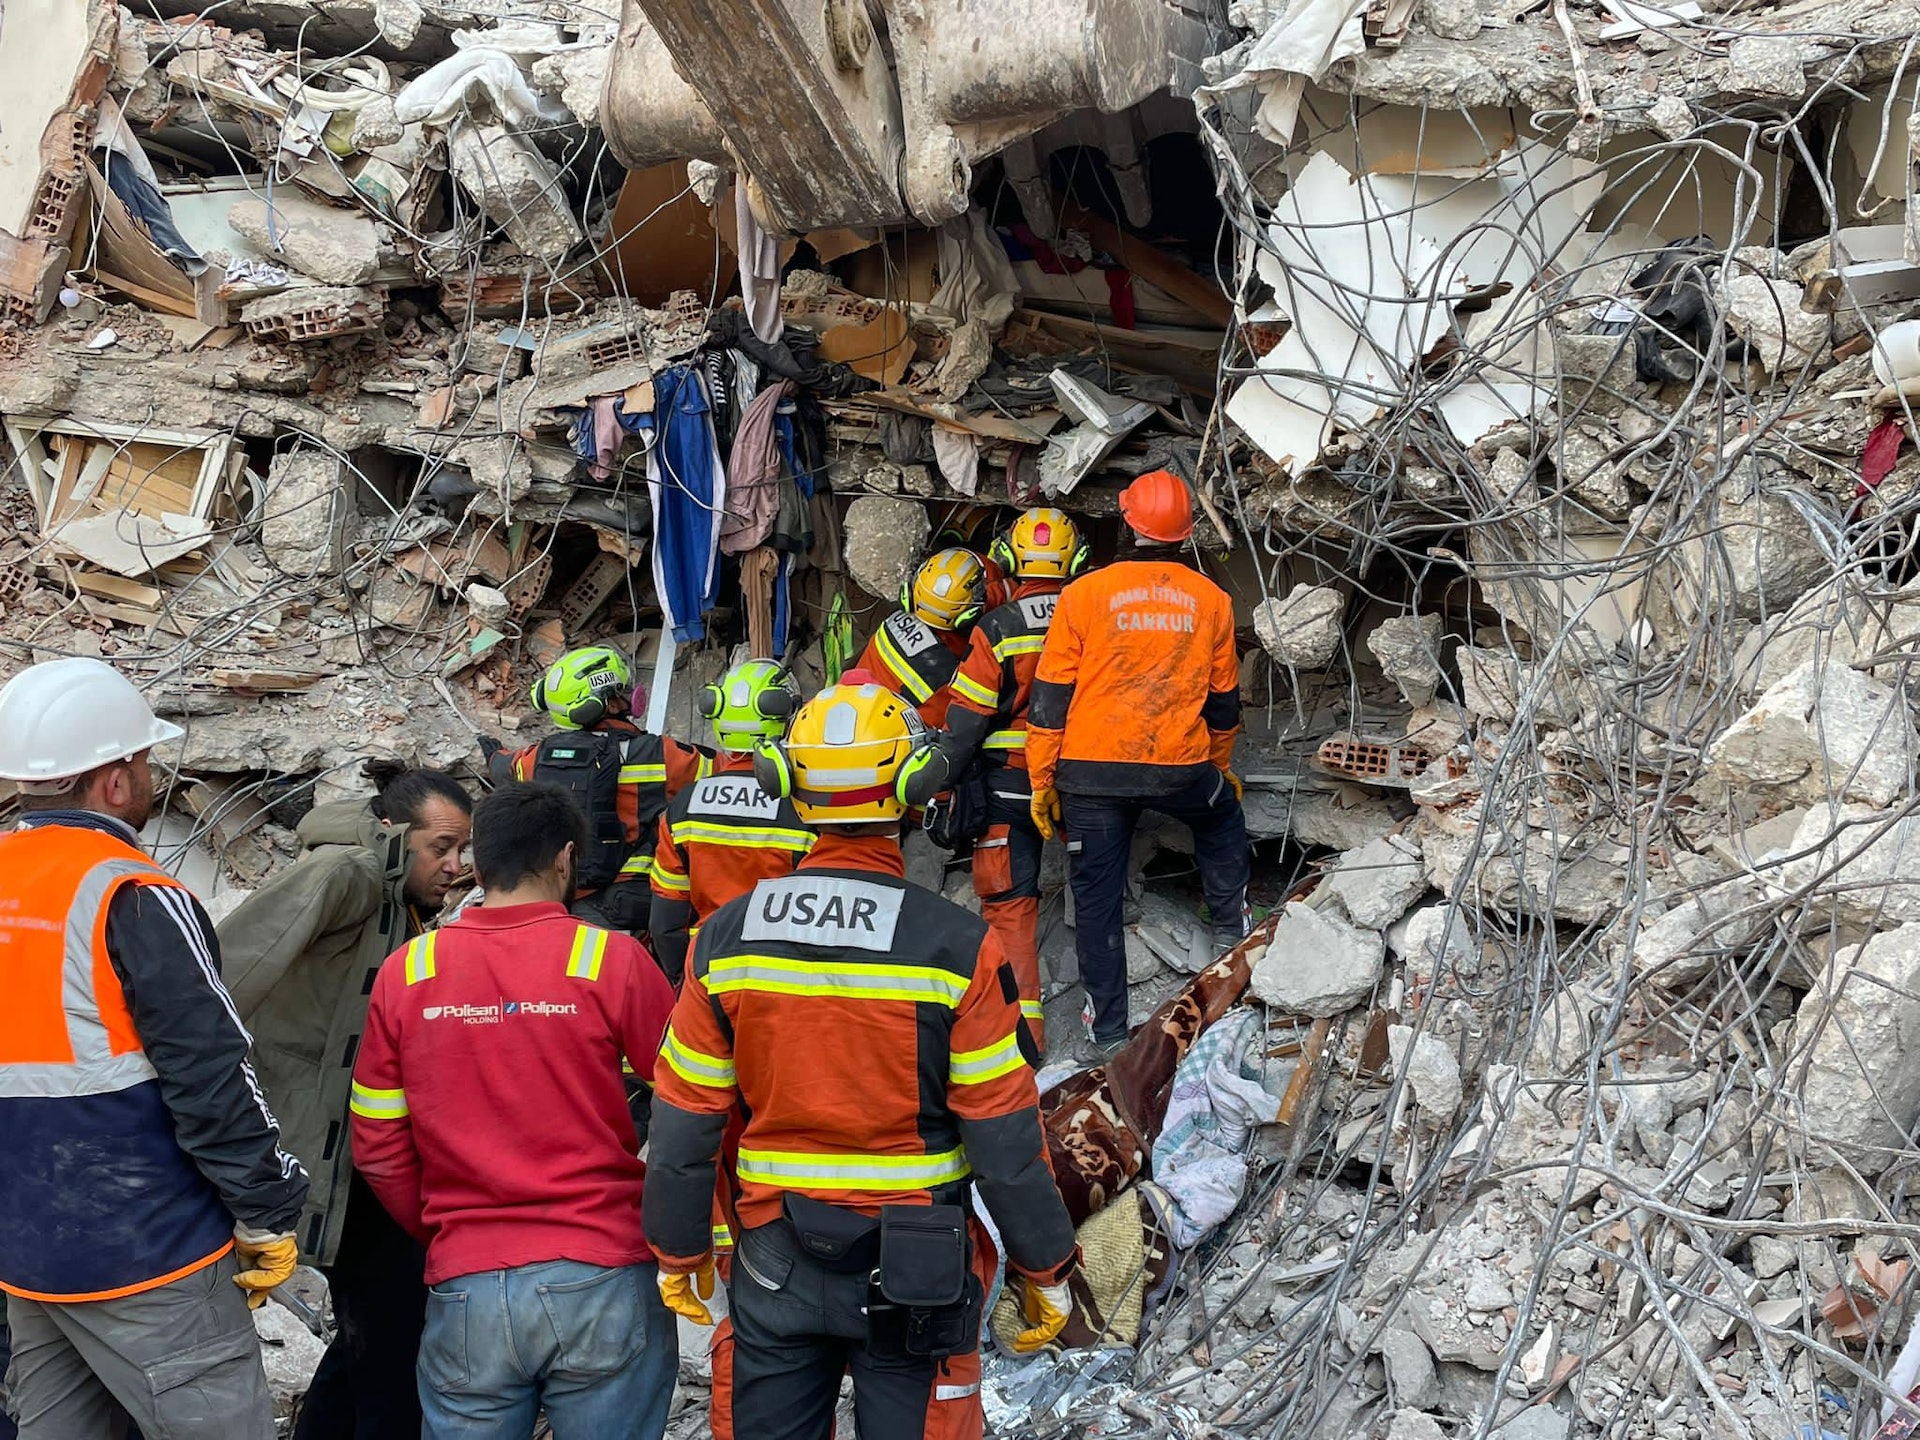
(1546, 377)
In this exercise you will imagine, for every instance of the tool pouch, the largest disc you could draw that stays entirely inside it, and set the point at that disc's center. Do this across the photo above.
(925, 1301)
(958, 817)
(843, 1241)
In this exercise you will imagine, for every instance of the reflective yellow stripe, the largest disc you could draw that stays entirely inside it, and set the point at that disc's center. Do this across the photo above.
(722, 1238)
(420, 958)
(746, 837)
(976, 1067)
(638, 865)
(794, 1170)
(770, 974)
(589, 948)
(1005, 740)
(1033, 1010)
(703, 767)
(664, 879)
(1019, 645)
(378, 1104)
(917, 689)
(694, 1066)
(643, 774)
(968, 688)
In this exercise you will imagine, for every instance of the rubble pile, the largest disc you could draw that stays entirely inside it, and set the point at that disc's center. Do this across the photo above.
(1548, 400)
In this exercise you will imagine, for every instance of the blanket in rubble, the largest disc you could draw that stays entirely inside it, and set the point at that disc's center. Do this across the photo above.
(1102, 1123)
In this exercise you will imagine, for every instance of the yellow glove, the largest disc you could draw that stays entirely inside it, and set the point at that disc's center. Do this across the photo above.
(1045, 808)
(679, 1291)
(266, 1262)
(1239, 788)
(1047, 1308)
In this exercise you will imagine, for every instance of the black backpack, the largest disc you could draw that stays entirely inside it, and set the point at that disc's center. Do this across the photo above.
(587, 767)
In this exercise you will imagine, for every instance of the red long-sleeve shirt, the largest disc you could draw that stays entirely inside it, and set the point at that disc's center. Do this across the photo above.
(489, 1113)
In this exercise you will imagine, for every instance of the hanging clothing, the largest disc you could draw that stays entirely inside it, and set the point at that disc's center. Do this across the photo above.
(757, 473)
(687, 485)
(757, 569)
(759, 267)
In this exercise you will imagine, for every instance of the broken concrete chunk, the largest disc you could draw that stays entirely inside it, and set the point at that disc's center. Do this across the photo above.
(1427, 1066)
(1342, 819)
(517, 187)
(1684, 944)
(1411, 1424)
(1303, 630)
(1408, 649)
(1824, 731)
(884, 538)
(1317, 964)
(1768, 65)
(1379, 882)
(1862, 1089)
(1859, 865)
(1767, 315)
(1451, 19)
(1410, 1370)
(304, 517)
(333, 245)
(1754, 557)
(376, 123)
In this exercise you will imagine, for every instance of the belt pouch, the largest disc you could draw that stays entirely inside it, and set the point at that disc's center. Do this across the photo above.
(843, 1241)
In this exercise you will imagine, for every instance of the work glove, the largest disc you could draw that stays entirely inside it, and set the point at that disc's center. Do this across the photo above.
(1239, 786)
(1045, 807)
(1047, 1308)
(266, 1262)
(489, 747)
(684, 1293)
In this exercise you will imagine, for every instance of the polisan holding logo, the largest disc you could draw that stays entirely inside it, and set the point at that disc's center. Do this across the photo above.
(466, 1014)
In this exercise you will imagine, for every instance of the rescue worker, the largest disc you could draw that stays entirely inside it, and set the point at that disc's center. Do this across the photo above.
(918, 647)
(723, 832)
(620, 776)
(1135, 706)
(490, 1118)
(872, 1033)
(145, 1202)
(1041, 551)
(719, 837)
(303, 950)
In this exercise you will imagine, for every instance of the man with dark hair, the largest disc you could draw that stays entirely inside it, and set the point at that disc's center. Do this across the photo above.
(145, 1202)
(302, 952)
(490, 1117)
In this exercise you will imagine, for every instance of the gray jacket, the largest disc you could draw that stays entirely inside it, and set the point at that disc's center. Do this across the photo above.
(301, 953)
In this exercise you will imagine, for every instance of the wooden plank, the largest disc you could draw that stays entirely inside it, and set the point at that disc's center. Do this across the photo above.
(169, 304)
(1150, 263)
(112, 587)
(268, 680)
(1304, 1073)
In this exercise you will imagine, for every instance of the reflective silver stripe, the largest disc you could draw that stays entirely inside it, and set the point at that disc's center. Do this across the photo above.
(62, 1081)
(955, 1392)
(95, 1069)
(1005, 740)
(772, 974)
(746, 837)
(1019, 645)
(797, 1170)
(976, 1067)
(696, 1067)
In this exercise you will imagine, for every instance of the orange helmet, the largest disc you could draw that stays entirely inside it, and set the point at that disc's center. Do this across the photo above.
(1159, 507)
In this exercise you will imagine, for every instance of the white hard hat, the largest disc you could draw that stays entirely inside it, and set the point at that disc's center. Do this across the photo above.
(60, 719)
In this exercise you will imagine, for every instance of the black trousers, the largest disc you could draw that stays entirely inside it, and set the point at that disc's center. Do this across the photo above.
(797, 1328)
(366, 1388)
(1099, 843)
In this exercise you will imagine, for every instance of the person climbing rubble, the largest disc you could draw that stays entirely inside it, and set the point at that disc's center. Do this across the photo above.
(621, 777)
(1135, 705)
(497, 1133)
(858, 1251)
(991, 692)
(723, 833)
(302, 951)
(146, 1204)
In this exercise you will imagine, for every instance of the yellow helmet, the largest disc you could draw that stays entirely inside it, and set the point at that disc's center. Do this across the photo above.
(1043, 544)
(846, 757)
(948, 590)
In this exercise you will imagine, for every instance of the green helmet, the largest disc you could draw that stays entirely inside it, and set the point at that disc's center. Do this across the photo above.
(579, 689)
(753, 702)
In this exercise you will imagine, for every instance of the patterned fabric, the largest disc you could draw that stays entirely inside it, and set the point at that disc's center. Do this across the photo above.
(1101, 1123)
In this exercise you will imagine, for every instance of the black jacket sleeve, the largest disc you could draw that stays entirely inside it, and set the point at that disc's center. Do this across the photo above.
(163, 948)
(669, 923)
(1009, 1158)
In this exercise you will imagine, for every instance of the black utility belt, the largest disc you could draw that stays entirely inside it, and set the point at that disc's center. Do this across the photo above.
(922, 1298)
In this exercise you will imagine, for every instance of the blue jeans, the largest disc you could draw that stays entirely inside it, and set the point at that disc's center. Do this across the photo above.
(1099, 843)
(594, 1347)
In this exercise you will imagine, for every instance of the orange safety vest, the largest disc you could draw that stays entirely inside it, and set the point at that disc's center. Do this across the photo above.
(97, 1199)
